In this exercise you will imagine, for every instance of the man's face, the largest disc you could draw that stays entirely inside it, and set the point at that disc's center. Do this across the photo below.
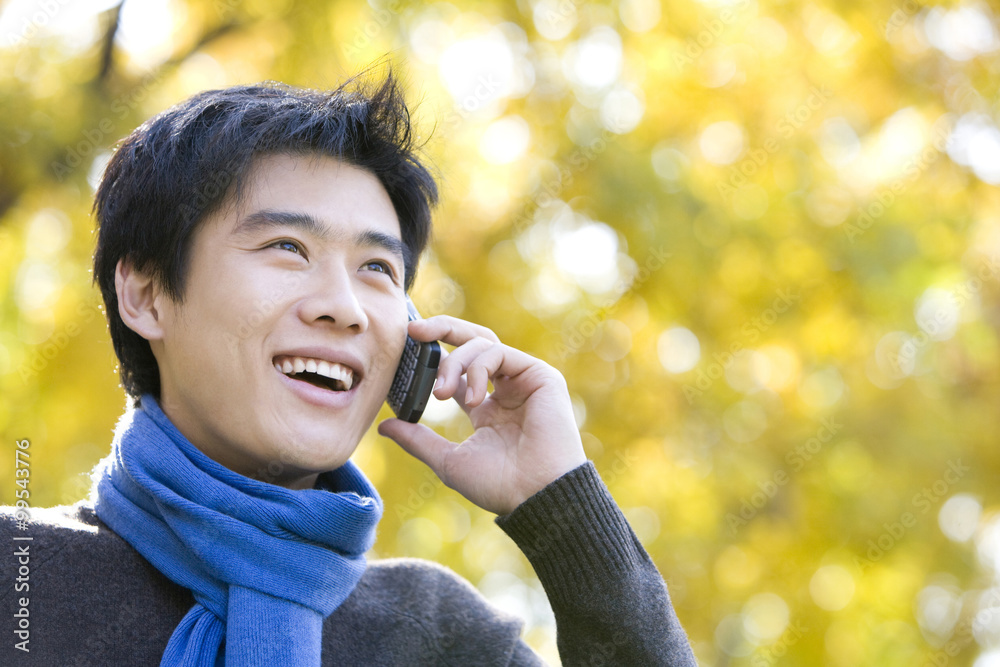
(283, 348)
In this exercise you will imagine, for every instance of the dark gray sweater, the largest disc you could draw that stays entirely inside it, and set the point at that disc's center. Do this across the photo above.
(93, 600)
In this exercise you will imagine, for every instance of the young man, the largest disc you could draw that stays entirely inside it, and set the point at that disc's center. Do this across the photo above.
(255, 249)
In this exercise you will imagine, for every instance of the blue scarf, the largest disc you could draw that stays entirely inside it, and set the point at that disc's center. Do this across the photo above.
(266, 564)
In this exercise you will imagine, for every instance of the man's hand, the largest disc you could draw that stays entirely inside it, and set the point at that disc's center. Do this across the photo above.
(526, 435)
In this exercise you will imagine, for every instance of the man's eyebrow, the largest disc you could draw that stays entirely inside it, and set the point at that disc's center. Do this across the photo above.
(379, 239)
(268, 218)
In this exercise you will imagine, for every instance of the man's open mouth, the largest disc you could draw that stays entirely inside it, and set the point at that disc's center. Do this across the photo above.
(318, 372)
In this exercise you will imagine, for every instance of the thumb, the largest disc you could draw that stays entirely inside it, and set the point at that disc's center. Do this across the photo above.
(419, 442)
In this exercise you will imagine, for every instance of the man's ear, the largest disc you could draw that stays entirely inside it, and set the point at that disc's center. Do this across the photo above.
(138, 301)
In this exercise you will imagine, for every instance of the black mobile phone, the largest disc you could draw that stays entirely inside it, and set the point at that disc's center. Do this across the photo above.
(411, 388)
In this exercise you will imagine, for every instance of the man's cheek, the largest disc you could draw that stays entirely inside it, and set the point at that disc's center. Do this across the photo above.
(383, 368)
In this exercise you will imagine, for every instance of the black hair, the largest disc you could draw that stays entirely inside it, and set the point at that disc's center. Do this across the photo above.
(183, 163)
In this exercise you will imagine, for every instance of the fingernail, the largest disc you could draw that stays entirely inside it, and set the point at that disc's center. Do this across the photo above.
(437, 383)
(468, 394)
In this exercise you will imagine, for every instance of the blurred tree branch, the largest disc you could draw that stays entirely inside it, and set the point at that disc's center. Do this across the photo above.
(113, 17)
(107, 86)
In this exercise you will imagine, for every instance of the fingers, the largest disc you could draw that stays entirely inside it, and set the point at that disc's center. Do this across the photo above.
(470, 361)
(478, 375)
(418, 441)
(478, 357)
(450, 330)
(458, 393)
(479, 361)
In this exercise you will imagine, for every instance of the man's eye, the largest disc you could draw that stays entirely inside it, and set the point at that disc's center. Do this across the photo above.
(382, 267)
(291, 246)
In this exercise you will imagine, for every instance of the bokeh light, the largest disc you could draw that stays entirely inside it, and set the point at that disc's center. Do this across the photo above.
(679, 349)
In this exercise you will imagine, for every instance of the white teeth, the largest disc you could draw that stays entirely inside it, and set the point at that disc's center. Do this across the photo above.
(277, 366)
(293, 365)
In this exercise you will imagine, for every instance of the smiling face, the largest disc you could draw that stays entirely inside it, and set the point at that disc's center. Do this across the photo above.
(283, 348)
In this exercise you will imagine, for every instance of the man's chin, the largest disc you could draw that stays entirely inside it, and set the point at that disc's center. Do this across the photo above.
(310, 454)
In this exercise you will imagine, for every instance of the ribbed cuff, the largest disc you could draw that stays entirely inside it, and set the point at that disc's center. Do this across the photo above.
(574, 534)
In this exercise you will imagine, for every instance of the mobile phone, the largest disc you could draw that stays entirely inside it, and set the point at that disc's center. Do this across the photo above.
(411, 388)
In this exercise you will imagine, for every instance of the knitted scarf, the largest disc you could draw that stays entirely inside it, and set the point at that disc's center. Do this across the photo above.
(266, 564)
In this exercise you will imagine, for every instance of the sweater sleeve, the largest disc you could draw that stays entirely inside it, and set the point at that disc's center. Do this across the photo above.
(610, 603)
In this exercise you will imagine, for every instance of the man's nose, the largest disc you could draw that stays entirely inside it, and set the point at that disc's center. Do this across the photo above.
(331, 296)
